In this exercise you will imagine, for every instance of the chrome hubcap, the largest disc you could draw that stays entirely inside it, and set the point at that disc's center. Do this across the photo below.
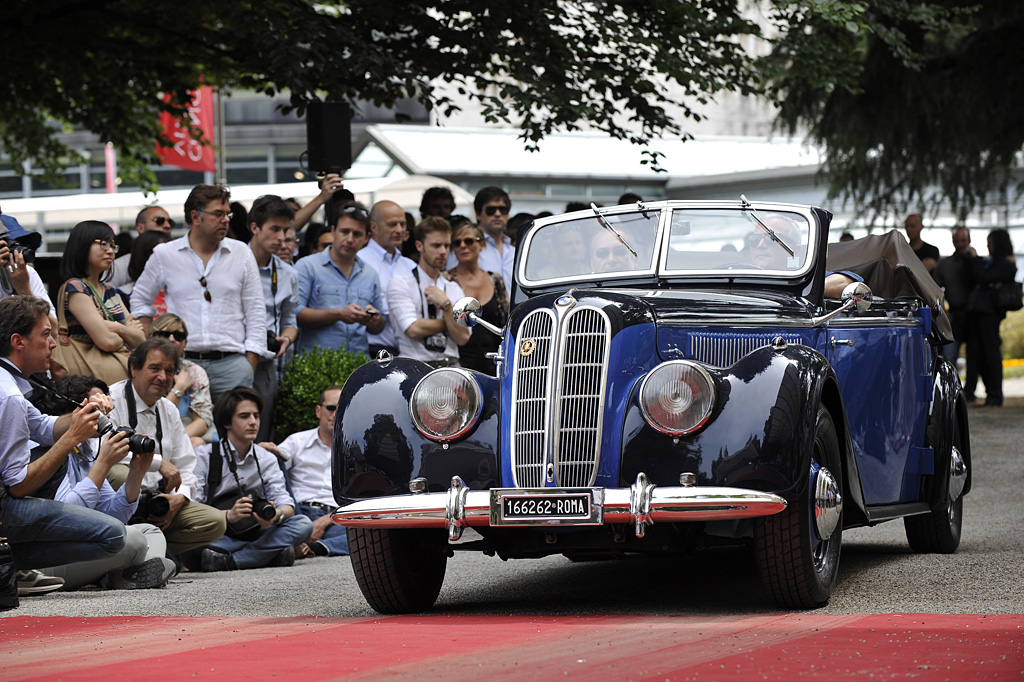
(828, 503)
(957, 474)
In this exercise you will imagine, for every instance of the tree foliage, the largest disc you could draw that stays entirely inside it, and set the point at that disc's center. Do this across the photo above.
(913, 103)
(543, 65)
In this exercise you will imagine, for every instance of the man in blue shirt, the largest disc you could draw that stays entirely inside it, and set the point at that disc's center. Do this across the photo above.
(269, 220)
(339, 295)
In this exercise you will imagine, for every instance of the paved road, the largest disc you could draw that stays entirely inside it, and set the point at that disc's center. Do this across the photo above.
(879, 573)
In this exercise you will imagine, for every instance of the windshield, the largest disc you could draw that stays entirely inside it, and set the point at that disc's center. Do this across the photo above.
(712, 242)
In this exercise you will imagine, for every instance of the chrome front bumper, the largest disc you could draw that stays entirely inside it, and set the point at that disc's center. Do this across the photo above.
(640, 504)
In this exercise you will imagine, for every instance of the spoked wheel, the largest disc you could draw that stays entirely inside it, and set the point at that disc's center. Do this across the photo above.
(938, 531)
(399, 570)
(798, 549)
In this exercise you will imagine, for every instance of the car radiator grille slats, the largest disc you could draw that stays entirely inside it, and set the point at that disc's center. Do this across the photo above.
(725, 349)
(569, 376)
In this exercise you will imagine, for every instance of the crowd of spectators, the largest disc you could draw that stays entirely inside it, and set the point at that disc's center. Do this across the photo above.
(138, 440)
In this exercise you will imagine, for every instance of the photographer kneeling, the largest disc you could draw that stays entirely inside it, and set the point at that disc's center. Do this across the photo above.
(142, 563)
(139, 403)
(239, 476)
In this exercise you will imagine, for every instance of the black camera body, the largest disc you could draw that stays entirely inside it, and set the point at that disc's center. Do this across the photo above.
(262, 508)
(15, 247)
(273, 345)
(150, 505)
(137, 443)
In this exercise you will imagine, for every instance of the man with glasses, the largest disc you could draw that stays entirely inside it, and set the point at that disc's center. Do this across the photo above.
(608, 254)
(339, 294)
(306, 459)
(149, 219)
(492, 206)
(213, 284)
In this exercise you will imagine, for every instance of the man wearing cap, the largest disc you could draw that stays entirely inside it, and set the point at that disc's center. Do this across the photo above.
(149, 219)
(18, 277)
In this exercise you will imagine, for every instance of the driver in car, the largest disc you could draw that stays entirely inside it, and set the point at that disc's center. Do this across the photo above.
(765, 252)
(608, 254)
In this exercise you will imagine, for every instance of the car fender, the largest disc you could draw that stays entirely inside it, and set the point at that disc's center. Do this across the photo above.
(948, 407)
(760, 430)
(377, 449)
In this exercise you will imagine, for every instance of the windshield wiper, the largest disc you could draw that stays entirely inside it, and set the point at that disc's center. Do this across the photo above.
(771, 233)
(608, 226)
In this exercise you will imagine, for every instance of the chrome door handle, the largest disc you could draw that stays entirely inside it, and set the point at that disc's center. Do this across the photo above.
(841, 342)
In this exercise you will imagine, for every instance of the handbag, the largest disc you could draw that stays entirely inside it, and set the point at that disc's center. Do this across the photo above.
(81, 356)
(1007, 295)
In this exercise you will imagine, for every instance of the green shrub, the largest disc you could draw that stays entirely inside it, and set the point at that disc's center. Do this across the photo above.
(305, 377)
(1012, 331)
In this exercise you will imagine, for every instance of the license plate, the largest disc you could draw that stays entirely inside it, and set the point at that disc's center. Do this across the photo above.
(512, 507)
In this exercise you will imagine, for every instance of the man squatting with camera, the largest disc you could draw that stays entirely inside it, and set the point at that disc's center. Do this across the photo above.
(242, 478)
(42, 532)
(139, 403)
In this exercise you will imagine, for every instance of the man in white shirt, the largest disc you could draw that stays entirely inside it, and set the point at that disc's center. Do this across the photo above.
(269, 219)
(140, 404)
(243, 479)
(151, 218)
(213, 284)
(492, 206)
(421, 302)
(384, 254)
(306, 458)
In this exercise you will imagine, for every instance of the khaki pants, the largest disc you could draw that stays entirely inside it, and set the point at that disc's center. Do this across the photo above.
(195, 525)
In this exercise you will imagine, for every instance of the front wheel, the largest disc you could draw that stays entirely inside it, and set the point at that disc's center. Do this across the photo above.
(798, 548)
(399, 570)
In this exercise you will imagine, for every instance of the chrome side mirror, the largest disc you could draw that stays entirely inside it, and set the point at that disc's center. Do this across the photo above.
(860, 294)
(465, 313)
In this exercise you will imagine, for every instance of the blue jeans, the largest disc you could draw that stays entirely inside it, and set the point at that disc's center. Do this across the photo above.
(262, 550)
(335, 538)
(48, 533)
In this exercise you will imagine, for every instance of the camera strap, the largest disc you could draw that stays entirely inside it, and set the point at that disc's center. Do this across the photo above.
(273, 292)
(133, 417)
(424, 306)
(215, 465)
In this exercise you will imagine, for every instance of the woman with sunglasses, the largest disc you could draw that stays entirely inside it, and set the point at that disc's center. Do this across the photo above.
(93, 310)
(486, 287)
(191, 388)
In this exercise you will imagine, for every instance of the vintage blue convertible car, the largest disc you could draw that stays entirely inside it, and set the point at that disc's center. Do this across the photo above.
(672, 375)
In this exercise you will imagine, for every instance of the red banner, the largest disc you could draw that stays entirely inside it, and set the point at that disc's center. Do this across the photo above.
(187, 152)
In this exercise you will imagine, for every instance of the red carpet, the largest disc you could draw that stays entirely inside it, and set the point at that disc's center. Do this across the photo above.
(920, 647)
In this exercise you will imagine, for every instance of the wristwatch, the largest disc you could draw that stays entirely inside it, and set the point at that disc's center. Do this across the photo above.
(177, 393)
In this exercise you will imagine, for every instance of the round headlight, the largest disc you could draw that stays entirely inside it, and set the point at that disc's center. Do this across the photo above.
(445, 404)
(677, 396)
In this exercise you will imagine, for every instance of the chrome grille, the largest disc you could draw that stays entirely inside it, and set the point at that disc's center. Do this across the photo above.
(583, 371)
(723, 349)
(531, 386)
(556, 397)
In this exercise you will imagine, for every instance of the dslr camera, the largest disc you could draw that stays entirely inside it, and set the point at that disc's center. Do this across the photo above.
(262, 508)
(150, 505)
(273, 345)
(137, 443)
(15, 247)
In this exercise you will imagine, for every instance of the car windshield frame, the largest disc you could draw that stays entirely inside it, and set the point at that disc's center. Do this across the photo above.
(777, 228)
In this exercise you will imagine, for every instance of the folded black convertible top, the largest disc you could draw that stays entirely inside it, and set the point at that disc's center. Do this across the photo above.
(891, 268)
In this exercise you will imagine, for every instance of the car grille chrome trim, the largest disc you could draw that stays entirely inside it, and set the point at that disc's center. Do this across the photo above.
(556, 397)
(583, 372)
(531, 391)
(724, 349)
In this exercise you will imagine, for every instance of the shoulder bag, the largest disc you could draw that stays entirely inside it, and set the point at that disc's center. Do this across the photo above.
(1007, 295)
(81, 356)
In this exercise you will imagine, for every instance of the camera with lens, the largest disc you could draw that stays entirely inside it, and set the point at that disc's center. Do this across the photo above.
(151, 505)
(262, 508)
(436, 342)
(137, 443)
(273, 345)
(15, 247)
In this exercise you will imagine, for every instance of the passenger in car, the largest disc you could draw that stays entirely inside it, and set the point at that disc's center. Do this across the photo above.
(608, 254)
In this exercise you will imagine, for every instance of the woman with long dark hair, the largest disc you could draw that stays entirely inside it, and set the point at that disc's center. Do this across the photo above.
(93, 310)
(984, 345)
